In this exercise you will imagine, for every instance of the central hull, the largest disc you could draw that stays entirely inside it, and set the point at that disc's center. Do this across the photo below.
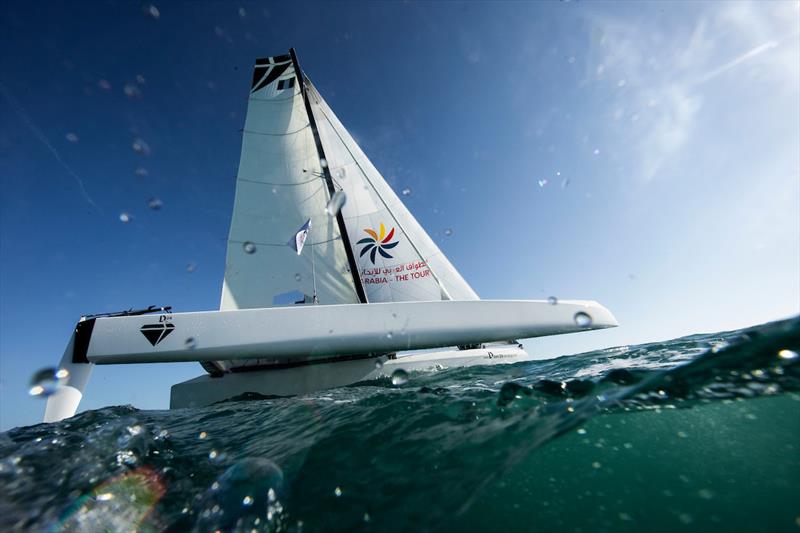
(305, 379)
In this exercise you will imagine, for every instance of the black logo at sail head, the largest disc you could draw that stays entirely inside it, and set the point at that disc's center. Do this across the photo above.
(156, 333)
(268, 70)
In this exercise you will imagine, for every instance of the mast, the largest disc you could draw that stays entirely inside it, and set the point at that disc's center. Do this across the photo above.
(351, 259)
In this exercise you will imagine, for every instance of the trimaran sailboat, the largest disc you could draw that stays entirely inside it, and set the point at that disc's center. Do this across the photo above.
(356, 283)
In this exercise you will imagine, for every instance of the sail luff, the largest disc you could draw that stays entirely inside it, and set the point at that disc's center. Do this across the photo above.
(301, 80)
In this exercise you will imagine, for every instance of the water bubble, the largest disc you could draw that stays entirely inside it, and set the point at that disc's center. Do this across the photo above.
(705, 494)
(132, 91)
(141, 172)
(582, 319)
(378, 364)
(125, 217)
(247, 500)
(597, 464)
(202, 435)
(212, 454)
(323, 163)
(787, 354)
(298, 277)
(625, 517)
(140, 146)
(542, 182)
(190, 343)
(249, 247)
(337, 491)
(47, 381)
(581, 431)
(389, 335)
(72, 137)
(155, 203)
(552, 300)
(399, 377)
(104, 85)
(406, 191)
(366, 517)
(682, 435)
(242, 12)
(151, 11)
(448, 232)
(335, 204)
(191, 266)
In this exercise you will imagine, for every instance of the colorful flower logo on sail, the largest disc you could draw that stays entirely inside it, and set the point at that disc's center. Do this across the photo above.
(377, 243)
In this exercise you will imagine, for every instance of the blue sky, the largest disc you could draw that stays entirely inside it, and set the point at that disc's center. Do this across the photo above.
(668, 135)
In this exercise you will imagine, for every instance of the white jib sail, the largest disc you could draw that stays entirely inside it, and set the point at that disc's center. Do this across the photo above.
(397, 259)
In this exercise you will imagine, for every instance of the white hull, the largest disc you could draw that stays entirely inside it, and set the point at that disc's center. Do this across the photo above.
(305, 379)
(290, 335)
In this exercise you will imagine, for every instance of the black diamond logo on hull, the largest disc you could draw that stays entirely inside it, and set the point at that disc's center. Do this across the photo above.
(156, 333)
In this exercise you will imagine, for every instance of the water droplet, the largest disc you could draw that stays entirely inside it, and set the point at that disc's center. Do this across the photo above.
(72, 137)
(399, 377)
(190, 343)
(140, 79)
(212, 454)
(542, 182)
(582, 319)
(140, 146)
(104, 84)
(47, 381)
(552, 300)
(249, 247)
(274, 190)
(335, 204)
(151, 11)
(247, 500)
(323, 163)
(191, 267)
(337, 491)
(141, 172)
(378, 364)
(448, 232)
(125, 217)
(298, 277)
(132, 91)
(787, 354)
(406, 191)
(202, 435)
(389, 335)
(155, 203)
(596, 151)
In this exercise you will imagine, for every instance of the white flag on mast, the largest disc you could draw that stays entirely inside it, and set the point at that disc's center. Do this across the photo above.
(296, 243)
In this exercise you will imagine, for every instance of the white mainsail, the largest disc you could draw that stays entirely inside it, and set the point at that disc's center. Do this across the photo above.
(280, 185)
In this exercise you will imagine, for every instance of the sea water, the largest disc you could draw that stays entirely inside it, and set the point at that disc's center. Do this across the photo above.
(698, 433)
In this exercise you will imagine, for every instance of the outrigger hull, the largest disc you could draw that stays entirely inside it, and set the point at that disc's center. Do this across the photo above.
(308, 378)
(289, 335)
(314, 346)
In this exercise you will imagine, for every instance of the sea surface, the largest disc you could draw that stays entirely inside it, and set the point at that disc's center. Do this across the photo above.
(694, 434)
